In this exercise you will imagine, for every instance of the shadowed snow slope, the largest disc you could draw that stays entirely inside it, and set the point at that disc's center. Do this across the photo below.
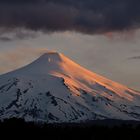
(55, 89)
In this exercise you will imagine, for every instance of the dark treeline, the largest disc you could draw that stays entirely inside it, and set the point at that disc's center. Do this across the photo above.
(107, 129)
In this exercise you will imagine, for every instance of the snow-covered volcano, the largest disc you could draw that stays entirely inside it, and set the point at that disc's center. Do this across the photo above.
(55, 89)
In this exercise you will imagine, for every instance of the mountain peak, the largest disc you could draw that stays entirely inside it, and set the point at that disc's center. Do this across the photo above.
(50, 53)
(51, 56)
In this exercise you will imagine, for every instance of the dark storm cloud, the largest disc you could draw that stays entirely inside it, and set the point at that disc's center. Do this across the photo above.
(86, 16)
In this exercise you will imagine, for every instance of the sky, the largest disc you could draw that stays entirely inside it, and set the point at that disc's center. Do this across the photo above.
(101, 35)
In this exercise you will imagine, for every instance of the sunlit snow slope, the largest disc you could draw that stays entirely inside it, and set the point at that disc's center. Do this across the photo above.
(55, 89)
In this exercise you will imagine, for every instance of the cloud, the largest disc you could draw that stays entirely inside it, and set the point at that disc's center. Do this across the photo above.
(85, 16)
(5, 39)
(17, 33)
(134, 57)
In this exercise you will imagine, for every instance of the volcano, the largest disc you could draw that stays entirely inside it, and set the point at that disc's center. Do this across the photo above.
(54, 89)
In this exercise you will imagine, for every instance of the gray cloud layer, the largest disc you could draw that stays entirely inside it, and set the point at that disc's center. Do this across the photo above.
(134, 57)
(86, 16)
